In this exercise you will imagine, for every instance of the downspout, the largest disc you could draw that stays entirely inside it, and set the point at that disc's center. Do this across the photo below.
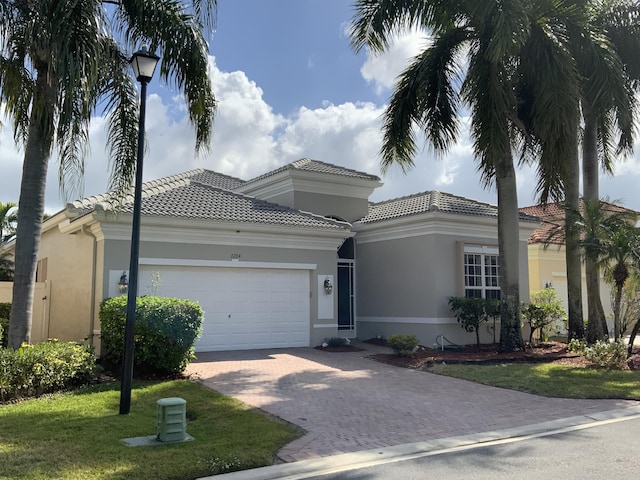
(94, 263)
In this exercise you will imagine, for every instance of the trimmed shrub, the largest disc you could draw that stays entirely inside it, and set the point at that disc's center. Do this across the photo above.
(4, 332)
(45, 367)
(336, 342)
(577, 346)
(166, 330)
(402, 344)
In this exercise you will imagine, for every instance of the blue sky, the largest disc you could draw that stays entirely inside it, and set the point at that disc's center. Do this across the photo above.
(289, 86)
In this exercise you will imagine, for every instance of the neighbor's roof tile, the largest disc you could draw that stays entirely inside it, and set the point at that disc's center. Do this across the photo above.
(552, 218)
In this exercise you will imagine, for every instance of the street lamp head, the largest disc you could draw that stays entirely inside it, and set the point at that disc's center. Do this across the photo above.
(144, 64)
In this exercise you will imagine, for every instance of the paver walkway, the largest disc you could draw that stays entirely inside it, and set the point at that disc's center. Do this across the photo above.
(348, 403)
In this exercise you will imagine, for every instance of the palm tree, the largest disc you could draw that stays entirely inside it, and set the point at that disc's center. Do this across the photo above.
(621, 255)
(603, 226)
(602, 37)
(608, 61)
(8, 219)
(62, 62)
(495, 37)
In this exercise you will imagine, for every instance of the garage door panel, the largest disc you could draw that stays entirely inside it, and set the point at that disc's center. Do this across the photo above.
(245, 308)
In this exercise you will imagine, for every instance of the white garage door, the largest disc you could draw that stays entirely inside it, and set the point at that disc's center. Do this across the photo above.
(244, 308)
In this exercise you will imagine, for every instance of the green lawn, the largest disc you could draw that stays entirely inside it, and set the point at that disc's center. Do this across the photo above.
(549, 379)
(78, 435)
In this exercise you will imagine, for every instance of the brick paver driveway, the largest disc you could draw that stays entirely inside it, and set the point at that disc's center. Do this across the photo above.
(349, 403)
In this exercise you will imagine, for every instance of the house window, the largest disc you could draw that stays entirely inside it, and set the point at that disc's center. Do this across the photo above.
(41, 270)
(481, 272)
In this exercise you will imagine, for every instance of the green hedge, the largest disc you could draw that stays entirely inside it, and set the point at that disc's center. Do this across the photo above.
(44, 368)
(5, 311)
(4, 332)
(166, 330)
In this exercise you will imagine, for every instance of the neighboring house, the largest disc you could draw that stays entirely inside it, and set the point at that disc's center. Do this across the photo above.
(547, 261)
(267, 271)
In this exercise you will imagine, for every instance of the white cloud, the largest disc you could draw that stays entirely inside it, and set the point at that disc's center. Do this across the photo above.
(250, 139)
(382, 70)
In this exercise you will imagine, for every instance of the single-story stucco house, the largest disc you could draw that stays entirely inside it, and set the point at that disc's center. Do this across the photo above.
(287, 259)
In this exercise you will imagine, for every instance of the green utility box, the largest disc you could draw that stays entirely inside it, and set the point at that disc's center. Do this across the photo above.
(172, 419)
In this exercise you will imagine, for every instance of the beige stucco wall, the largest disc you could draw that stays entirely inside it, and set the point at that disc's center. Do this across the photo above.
(40, 313)
(549, 266)
(69, 269)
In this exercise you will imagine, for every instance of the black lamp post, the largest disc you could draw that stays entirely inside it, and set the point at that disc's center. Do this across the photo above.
(144, 64)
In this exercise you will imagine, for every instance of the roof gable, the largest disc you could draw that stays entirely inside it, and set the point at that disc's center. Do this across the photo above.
(315, 166)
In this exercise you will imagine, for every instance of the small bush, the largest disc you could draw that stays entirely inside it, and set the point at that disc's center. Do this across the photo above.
(165, 332)
(577, 346)
(44, 368)
(5, 310)
(403, 344)
(336, 342)
(4, 332)
(611, 355)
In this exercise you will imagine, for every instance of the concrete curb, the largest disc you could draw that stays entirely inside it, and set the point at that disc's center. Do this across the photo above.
(349, 461)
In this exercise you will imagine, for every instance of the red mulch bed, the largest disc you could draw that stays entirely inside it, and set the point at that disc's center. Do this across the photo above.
(551, 352)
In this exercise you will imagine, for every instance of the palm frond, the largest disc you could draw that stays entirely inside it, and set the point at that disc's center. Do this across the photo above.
(122, 117)
(549, 92)
(425, 97)
(376, 23)
(167, 26)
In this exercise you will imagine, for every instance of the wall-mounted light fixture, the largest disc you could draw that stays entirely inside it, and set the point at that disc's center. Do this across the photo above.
(123, 284)
(328, 286)
(548, 284)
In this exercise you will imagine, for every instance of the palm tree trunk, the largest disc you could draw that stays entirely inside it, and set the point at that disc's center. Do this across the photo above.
(632, 337)
(597, 323)
(509, 246)
(572, 248)
(31, 208)
(616, 311)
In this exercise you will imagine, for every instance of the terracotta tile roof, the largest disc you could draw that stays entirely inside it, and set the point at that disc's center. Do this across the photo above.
(308, 165)
(552, 217)
(188, 196)
(433, 201)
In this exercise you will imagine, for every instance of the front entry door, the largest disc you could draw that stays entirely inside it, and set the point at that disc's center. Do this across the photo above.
(346, 295)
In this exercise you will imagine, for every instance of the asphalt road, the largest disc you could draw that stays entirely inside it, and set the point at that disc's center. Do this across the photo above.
(609, 450)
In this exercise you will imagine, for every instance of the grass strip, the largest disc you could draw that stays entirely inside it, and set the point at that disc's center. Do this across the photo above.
(77, 435)
(549, 379)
